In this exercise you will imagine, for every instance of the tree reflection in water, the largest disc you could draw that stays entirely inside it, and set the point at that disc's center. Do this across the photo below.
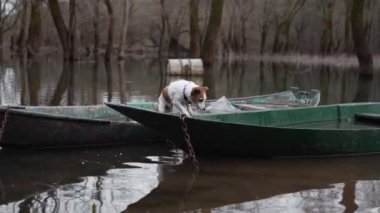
(108, 179)
(52, 82)
(49, 183)
(365, 199)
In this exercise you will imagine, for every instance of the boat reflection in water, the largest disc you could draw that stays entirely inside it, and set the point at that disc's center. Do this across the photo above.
(342, 184)
(155, 178)
(105, 180)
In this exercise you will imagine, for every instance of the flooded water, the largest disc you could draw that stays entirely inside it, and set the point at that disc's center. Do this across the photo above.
(156, 177)
(51, 82)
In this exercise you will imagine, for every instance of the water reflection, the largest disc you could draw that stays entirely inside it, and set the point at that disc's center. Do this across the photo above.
(52, 82)
(155, 179)
(365, 198)
(345, 184)
(108, 179)
(141, 179)
(315, 200)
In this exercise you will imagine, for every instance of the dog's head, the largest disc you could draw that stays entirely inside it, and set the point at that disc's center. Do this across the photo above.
(198, 97)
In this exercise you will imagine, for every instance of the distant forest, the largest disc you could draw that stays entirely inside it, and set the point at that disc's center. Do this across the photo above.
(229, 29)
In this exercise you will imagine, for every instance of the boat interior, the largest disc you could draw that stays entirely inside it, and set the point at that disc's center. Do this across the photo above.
(98, 112)
(340, 116)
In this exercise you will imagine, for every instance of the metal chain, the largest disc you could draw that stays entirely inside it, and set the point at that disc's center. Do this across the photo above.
(189, 187)
(190, 149)
(3, 123)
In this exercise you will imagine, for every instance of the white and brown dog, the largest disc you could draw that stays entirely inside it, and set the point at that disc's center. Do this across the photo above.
(179, 95)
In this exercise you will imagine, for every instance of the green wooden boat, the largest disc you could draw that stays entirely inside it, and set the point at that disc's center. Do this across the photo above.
(307, 131)
(286, 99)
(292, 98)
(75, 126)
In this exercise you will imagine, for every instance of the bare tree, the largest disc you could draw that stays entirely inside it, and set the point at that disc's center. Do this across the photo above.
(212, 32)
(66, 35)
(162, 28)
(72, 30)
(281, 36)
(35, 28)
(369, 18)
(235, 42)
(359, 36)
(175, 26)
(170, 28)
(8, 16)
(195, 34)
(327, 7)
(347, 26)
(95, 24)
(246, 10)
(111, 26)
(264, 25)
(21, 38)
(229, 39)
(127, 10)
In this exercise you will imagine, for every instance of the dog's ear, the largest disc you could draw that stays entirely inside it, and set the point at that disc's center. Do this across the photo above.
(196, 91)
(205, 88)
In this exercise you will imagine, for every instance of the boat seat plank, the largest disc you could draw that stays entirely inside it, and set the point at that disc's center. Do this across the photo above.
(368, 117)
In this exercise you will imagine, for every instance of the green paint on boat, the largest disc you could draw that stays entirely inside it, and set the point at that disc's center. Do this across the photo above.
(306, 131)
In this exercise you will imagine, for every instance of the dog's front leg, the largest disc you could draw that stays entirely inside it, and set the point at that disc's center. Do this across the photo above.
(181, 108)
(190, 110)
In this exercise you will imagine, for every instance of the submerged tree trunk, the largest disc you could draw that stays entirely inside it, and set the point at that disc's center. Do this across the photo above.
(59, 24)
(347, 27)
(66, 35)
(34, 80)
(163, 29)
(359, 37)
(111, 23)
(327, 34)
(126, 14)
(244, 17)
(369, 21)
(63, 83)
(264, 27)
(21, 38)
(195, 35)
(96, 30)
(213, 31)
(108, 68)
(72, 31)
(35, 30)
(282, 27)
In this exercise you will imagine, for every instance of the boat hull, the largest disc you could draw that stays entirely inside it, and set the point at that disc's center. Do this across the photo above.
(73, 126)
(235, 139)
(40, 130)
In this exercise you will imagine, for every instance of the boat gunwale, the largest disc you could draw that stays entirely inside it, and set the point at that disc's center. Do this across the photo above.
(290, 92)
(201, 116)
(22, 110)
(289, 125)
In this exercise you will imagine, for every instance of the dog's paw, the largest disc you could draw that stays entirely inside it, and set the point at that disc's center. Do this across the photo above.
(186, 114)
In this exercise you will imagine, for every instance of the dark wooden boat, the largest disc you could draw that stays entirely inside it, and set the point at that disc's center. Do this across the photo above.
(307, 131)
(69, 126)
